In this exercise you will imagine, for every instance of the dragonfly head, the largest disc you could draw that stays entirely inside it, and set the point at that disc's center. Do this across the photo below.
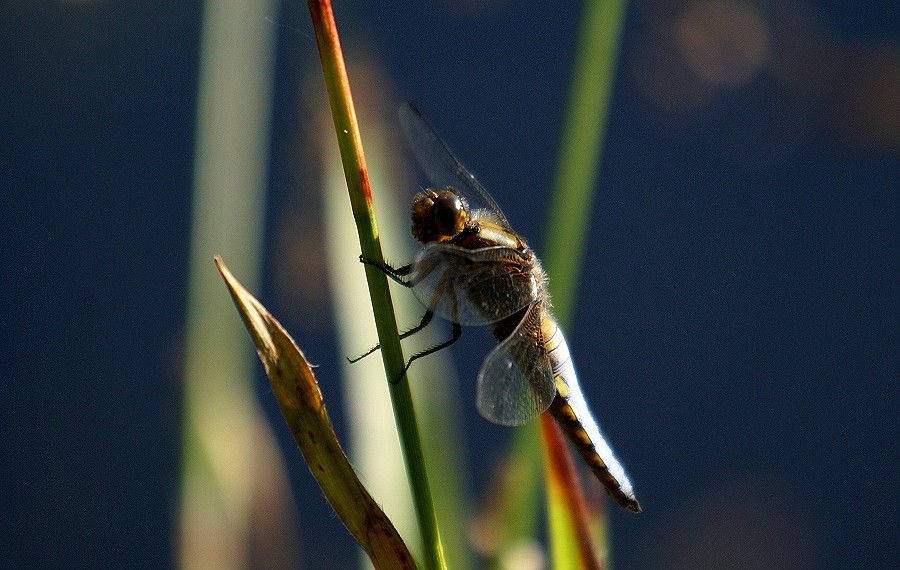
(438, 215)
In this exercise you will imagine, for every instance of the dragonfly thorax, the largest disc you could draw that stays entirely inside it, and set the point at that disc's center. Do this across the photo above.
(438, 215)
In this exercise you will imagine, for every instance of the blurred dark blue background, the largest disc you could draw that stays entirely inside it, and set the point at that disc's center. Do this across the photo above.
(737, 328)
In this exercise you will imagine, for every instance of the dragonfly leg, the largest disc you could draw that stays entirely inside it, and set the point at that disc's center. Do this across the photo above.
(457, 333)
(426, 318)
(399, 274)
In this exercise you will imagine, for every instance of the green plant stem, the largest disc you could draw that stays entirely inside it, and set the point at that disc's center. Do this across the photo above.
(353, 160)
(581, 149)
(573, 191)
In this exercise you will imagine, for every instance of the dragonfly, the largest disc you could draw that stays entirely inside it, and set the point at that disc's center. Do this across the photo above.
(474, 270)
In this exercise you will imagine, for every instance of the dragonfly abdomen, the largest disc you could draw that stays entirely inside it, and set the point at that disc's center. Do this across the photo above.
(570, 410)
(565, 416)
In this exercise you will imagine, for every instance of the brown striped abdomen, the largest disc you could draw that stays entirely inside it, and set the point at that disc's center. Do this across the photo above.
(571, 412)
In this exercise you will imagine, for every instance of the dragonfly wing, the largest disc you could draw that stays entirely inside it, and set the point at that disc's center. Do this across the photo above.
(515, 383)
(440, 165)
(473, 287)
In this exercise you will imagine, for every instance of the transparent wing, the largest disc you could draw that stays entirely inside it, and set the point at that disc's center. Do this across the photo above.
(473, 287)
(440, 165)
(515, 383)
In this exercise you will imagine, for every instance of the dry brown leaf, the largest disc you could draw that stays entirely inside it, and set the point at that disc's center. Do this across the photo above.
(300, 400)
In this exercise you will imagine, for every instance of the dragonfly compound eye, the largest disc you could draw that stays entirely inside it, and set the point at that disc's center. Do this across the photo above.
(449, 213)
